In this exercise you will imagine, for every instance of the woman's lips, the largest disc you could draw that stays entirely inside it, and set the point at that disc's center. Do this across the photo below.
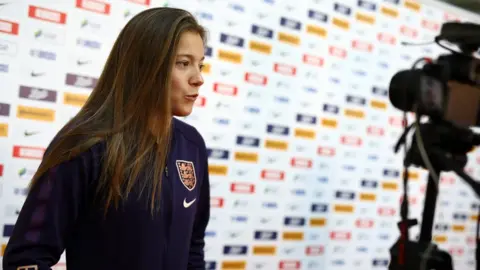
(191, 97)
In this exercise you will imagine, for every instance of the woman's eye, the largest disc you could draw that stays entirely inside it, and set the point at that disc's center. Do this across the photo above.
(201, 67)
(183, 63)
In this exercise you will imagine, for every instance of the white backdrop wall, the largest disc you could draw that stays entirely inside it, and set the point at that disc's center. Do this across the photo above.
(294, 111)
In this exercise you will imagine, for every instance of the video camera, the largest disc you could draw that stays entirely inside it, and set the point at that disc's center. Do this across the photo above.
(446, 92)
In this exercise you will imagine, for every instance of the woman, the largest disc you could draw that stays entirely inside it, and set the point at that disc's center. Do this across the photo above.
(124, 185)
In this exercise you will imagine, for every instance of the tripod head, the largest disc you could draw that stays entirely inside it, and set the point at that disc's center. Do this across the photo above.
(444, 149)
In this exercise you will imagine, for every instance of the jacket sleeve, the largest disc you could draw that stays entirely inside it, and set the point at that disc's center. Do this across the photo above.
(196, 259)
(48, 215)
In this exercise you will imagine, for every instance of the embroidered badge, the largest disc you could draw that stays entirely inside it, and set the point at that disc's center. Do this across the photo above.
(186, 172)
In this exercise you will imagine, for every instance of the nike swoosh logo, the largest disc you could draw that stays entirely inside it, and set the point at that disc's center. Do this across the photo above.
(188, 204)
(36, 74)
(81, 63)
(27, 133)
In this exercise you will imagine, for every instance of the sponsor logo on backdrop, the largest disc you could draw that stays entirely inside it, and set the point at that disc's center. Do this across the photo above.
(94, 6)
(49, 36)
(46, 14)
(8, 48)
(4, 109)
(80, 81)
(35, 113)
(37, 94)
(9, 27)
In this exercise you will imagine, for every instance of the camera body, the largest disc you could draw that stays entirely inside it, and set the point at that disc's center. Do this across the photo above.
(446, 86)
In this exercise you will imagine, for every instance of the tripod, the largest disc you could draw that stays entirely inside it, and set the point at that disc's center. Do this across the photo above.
(447, 149)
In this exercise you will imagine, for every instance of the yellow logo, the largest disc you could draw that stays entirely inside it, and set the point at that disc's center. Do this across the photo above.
(77, 100)
(305, 133)
(207, 68)
(389, 12)
(331, 123)
(316, 30)
(293, 236)
(378, 104)
(439, 239)
(230, 56)
(218, 169)
(318, 222)
(277, 145)
(264, 250)
(4, 246)
(246, 156)
(354, 113)
(3, 130)
(287, 38)
(34, 113)
(412, 5)
(365, 18)
(412, 175)
(343, 208)
(260, 47)
(389, 185)
(458, 228)
(344, 24)
(368, 197)
(234, 265)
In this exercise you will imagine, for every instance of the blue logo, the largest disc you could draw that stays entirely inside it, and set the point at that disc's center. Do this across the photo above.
(43, 54)
(89, 43)
(262, 31)
(248, 141)
(231, 40)
(317, 15)
(235, 250)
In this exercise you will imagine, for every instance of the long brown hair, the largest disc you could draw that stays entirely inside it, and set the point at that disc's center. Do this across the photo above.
(129, 108)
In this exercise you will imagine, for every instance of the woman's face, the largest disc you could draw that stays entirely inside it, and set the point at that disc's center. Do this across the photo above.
(186, 74)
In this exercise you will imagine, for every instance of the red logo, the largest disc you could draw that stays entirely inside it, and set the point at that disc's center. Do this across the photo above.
(351, 140)
(186, 172)
(200, 102)
(141, 2)
(386, 38)
(225, 89)
(450, 17)
(362, 46)
(337, 52)
(411, 200)
(340, 235)
(314, 250)
(255, 78)
(1, 169)
(364, 223)
(28, 152)
(313, 60)
(95, 6)
(244, 188)
(326, 151)
(289, 265)
(456, 251)
(433, 26)
(273, 175)
(386, 211)
(48, 15)
(396, 121)
(216, 202)
(408, 31)
(306, 163)
(375, 131)
(447, 179)
(285, 69)
(8, 27)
